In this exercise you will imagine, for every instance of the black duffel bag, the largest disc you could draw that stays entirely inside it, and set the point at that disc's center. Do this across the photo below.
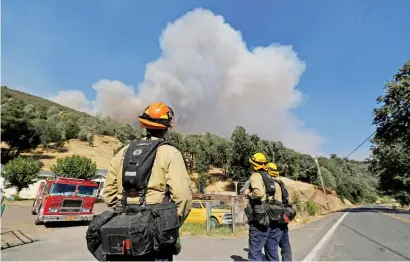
(288, 215)
(93, 234)
(166, 225)
(249, 213)
(265, 214)
(280, 214)
(136, 229)
(148, 229)
(260, 214)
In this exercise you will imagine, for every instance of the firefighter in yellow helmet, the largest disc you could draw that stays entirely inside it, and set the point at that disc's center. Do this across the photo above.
(167, 177)
(283, 235)
(272, 169)
(261, 236)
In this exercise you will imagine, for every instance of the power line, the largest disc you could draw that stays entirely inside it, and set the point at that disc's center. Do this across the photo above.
(385, 123)
(405, 104)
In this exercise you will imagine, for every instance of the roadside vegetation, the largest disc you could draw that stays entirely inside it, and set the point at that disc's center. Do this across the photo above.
(29, 122)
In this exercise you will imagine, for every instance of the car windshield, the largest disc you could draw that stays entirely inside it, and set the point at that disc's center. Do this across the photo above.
(196, 205)
(87, 191)
(62, 190)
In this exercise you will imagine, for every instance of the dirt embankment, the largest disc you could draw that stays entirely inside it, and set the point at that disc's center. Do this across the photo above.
(216, 183)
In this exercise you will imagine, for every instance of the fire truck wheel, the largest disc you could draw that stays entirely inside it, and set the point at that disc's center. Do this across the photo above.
(33, 211)
(38, 221)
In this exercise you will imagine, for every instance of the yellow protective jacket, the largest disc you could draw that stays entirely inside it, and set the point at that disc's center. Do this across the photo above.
(168, 169)
(258, 189)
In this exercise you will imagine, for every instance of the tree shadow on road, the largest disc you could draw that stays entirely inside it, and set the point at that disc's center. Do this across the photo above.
(374, 210)
(374, 241)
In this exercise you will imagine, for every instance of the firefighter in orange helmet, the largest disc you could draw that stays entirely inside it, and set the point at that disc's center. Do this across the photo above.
(157, 116)
(168, 173)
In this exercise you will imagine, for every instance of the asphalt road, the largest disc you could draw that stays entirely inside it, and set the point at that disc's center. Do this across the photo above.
(370, 233)
(367, 233)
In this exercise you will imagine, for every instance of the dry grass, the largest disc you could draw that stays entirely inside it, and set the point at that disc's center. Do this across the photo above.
(189, 229)
(101, 152)
(304, 191)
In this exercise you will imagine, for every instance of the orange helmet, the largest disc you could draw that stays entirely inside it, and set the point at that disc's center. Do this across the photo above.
(157, 116)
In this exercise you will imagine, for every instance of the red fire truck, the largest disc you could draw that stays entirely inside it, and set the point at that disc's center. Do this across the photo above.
(64, 199)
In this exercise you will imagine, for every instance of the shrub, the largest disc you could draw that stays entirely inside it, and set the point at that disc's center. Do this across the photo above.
(201, 183)
(82, 134)
(20, 172)
(76, 167)
(16, 197)
(295, 198)
(90, 139)
(312, 208)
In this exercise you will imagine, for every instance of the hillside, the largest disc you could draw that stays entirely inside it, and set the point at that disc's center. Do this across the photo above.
(35, 100)
(102, 153)
(35, 126)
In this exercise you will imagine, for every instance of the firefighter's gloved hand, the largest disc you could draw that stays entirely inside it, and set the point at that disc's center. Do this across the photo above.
(178, 246)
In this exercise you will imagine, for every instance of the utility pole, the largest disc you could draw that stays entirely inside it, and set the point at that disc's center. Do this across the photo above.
(208, 217)
(321, 180)
(233, 214)
(236, 188)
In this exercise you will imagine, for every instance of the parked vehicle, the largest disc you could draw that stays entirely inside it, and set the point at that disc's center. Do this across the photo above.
(64, 199)
(219, 215)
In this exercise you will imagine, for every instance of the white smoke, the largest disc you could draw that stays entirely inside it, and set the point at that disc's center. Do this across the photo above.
(213, 83)
(72, 98)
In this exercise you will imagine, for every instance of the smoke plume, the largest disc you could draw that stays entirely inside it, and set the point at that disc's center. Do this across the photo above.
(213, 82)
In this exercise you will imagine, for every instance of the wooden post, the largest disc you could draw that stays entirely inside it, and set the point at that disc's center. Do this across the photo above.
(208, 217)
(236, 188)
(233, 214)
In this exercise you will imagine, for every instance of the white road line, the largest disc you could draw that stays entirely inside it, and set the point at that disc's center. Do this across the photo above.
(319, 245)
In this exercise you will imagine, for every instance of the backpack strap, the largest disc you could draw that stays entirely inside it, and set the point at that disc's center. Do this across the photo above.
(267, 183)
(285, 193)
(137, 168)
(167, 196)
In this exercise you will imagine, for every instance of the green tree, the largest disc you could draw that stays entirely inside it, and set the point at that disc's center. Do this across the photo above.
(242, 148)
(83, 133)
(21, 172)
(30, 111)
(175, 139)
(75, 167)
(222, 152)
(52, 111)
(201, 182)
(190, 145)
(391, 145)
(125, 133)
(90, 139)
(52, 132)
(68, 125)
(49, 130)
(41, 112)
(16, 128)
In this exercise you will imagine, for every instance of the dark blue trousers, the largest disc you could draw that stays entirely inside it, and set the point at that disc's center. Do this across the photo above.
(270, 239)
(284, 244)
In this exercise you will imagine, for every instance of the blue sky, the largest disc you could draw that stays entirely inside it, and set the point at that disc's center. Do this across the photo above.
(350, 49)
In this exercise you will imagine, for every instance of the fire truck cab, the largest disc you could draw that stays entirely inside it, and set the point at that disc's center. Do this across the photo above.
(64, 199)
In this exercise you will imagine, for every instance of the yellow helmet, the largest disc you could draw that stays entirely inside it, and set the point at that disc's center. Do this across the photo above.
(272, 169)
(258, 161)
